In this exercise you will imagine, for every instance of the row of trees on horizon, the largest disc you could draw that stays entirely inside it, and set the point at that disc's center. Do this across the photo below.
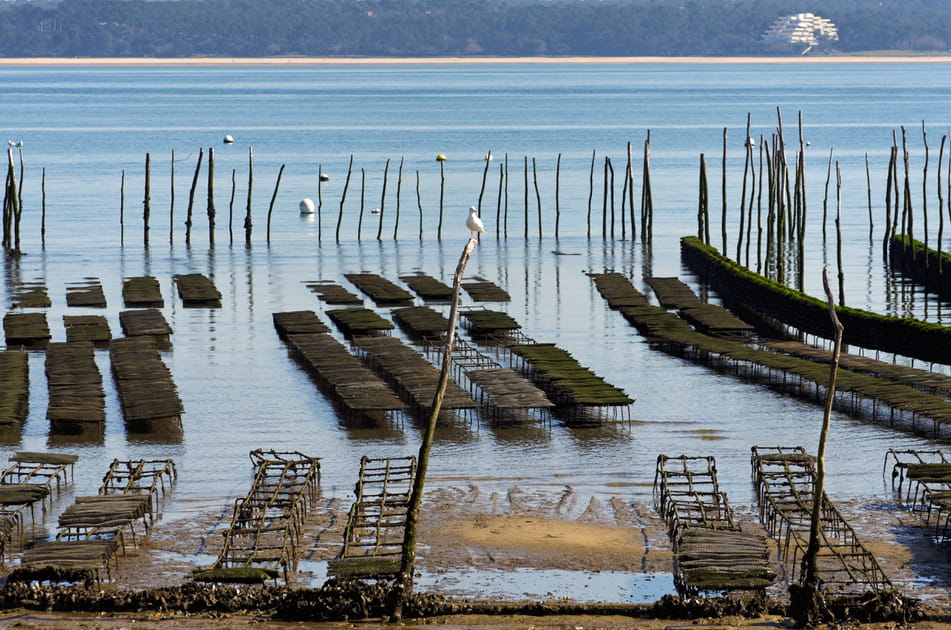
(433, 28)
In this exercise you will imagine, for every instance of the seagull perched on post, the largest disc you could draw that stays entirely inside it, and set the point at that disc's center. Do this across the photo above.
(474, 223)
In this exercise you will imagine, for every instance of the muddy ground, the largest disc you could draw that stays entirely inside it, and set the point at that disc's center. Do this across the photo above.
(469, 525)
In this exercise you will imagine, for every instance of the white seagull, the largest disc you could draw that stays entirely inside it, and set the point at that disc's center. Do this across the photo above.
(474, 223)
(14, 143)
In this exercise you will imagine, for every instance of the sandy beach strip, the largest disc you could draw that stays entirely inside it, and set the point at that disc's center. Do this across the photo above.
(355, 61)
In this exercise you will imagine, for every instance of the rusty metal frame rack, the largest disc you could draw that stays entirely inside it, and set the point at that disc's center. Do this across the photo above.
(785, 486)
(711, 551)
(267, 523)
(373, 536)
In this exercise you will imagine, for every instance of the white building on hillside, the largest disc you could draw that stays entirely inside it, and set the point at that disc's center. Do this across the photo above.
(801, 28)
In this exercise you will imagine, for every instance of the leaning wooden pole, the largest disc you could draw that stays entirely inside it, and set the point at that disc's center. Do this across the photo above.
(234, 187)
(270, 207)
(590, 191)
(404, 582)
(386, 173)
(924, 196)
(191, 198)
(538, 196)
(343, 197)
(940, 248)
(557, 194)
(838, 232)
(485, 174)
(808, 601)
(399, 188)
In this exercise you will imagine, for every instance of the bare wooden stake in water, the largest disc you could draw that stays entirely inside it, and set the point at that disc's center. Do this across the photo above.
(234, 186)
(630, 190)
(703, 207)
(940, 203)
(171, 200)
(924, 196)
(343, 197)
(43, 208)
(868, 191)
(647, 194)
(825, 197)
(404, 582)
(538, 196)
(146, 203)
(399, 187)
(525, 171)
(386, 173)
(320, 201)
(211, 196)
(419, 204)
(838, 232)
(363, 194)
(191, 198)
(247, 210)
(485, 173)
(558, 193)
(747, 158)
(604, 198)
(590, 191)
(723, 195)
(270, 207)
(122, 208)
(442, 193)
(498, 201)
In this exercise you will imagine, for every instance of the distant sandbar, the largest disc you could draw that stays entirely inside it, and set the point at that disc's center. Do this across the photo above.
(345, 61)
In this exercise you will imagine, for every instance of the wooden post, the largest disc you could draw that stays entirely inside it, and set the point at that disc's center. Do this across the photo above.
(247, 211)
(604, 198)
(146, 203)
(404, 582)
(442, 194)
(211, 196)
(171, 200)
(506, 219)
(234, 186)
(122, 208)
(700, 201)
(611, 188)
(11, 211)
(525, 173)
(590, 191)
(868, 191)
(759, 208)
(838, 231)
(399, 187)
(624, 186)
(557, 194)
(363, 194)
(940, 206)
(320, 201)
(924, 197)
(808, 601)
(43, 207)
(191, 198)
(747, 157)
(825, 198)
(538, 197)
(419, 204)
(343, 197)
(386, 174)
(630, 191)
(723, 195)
(270, 207)
(485, 173)
(498, 201)
(647, 195)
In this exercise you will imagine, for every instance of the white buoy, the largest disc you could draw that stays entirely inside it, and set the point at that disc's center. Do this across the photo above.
(474, 223)
(375, 211)
(307, 206)
(228, 140)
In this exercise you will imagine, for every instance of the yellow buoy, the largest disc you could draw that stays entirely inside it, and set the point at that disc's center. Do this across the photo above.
(440, 158)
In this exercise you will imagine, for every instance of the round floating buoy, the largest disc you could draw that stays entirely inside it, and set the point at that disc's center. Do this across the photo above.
(307, 206)
(324, 177)
(228, 140)
(440, 158)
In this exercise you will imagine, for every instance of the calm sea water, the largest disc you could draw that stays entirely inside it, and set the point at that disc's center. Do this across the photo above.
(241, 390)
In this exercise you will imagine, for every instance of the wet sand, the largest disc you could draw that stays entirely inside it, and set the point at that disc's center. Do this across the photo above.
(469, 527)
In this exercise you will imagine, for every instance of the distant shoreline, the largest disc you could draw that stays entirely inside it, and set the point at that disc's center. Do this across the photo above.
(355, 61)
